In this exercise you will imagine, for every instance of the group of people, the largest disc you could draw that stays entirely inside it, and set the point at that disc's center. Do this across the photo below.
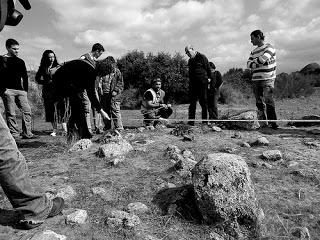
(101, 82)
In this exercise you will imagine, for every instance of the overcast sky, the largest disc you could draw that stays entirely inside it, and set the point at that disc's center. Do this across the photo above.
(219, 29)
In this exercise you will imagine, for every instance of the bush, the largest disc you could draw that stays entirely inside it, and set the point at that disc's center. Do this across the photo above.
(294, 85)
(35, 98)
(131, 99)
(229, 94)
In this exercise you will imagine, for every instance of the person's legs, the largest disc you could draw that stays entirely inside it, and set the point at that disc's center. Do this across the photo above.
(193, 105)
(270, 105)
(9, 104)
(23, 104)
(203, 100)
(87, 108)
(261, 106)
(16, 183)
(116, 114)
(106, 106)
(149, 117)
(213, 97)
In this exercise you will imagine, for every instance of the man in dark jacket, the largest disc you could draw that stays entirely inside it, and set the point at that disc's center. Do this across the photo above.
(199, 73)
(71, 80)
(214, 85)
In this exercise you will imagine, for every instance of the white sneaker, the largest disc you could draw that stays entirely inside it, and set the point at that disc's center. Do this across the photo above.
(53, 134)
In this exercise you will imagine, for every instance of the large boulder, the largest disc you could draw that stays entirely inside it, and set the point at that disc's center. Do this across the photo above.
(114, 149)
(224, 194)
(248, 120)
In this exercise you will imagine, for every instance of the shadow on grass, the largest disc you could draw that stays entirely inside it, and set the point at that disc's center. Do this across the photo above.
(8, 217)
(290, 132)
(31, 144)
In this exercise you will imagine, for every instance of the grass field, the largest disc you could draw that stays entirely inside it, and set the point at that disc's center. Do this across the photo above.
(288, 193)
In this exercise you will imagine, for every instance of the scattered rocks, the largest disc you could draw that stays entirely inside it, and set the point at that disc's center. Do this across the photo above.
(114, 149)
(122, 219)
(48, 235)
(301, 233)
(67, 193)
(78, 217)
(182, 129)
(137, 208)
(261, 141)
(224, 193)
(110, 136)
(312, 144)
(249, 115)
(81, 145)
(272, 155)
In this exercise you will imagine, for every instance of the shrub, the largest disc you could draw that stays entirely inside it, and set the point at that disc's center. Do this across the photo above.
(229, 94)
(294, 85)
(131, 99)
(35, 96)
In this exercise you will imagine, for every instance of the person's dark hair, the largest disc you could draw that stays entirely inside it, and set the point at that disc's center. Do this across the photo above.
(111, 59)
(97, 46)
(258, 33)
(104, 67)
(156, 80)
(10, 42)
(44, 63)
(211, 64)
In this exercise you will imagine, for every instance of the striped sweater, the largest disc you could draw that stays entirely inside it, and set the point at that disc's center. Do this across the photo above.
(262, 62)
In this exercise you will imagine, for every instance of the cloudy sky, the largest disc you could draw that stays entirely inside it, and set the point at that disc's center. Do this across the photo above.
(218, 28)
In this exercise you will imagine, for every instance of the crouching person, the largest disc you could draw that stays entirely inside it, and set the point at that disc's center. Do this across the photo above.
(153, 108)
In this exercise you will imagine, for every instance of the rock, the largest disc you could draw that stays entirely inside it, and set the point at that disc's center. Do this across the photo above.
(151, 128)
(301, 233)
(173, 149)
(249, 115)
(48, 235)
(228, 149)
(236, 135)
(174, 153)
(137, 208)
(114, 149)
(224, 193)
(188, 138)
(261, 141)
(78, 217)
(123, 219)
(312, 144)
(272, 155)
(267, 165)
(291, 164)
(129, 136)
(116, 160)
(81, 145)
(185, 164)
(187, 154)
(216, 129)
(244, 144)
(103, 193)
(166, 185)
(215, 236)
(67, 193)
(141, 129)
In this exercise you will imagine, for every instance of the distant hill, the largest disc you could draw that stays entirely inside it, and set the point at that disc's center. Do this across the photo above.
(312, 68)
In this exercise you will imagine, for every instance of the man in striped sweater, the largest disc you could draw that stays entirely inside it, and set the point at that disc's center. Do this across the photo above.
(262, 62)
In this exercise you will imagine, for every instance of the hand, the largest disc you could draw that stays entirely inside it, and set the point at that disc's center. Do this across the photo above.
(169, 106)
(104, 115)
(163, 105)
(114, 93)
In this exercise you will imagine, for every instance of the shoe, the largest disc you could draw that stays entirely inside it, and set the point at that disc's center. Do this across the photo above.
(53, 134)
(57, 206)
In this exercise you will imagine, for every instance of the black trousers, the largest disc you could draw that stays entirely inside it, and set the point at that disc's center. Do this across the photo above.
(198, 92)
(213, 96)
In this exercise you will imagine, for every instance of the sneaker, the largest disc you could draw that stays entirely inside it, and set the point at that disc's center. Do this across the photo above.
(57, 206)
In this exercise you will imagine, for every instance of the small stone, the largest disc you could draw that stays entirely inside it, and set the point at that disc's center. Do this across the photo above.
(81, 145)
(188, 138)
(127, 220)
(151, 128)
(78, 217)
(292, 164)
(228, 149)
(272, 155)
(141, 129)
(261, 141)
(137, 208)
(187, 154)
(301, 233)
(216, 129)
(48, 235)
(67, 193)
(236, 135)
(166, 185)
(114, 149)
(215, 236)
(267, 165)
(114, 222)
(115, 161)
(245, 145)
(103, 193)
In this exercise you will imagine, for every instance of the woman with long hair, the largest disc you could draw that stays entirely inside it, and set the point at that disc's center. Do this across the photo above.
(54, 112)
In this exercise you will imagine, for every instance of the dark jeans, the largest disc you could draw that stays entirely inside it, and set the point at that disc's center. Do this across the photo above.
(12, 97)
(112, 107)
(263, 91)
(213, 96)
(198, 92)
(78, 119)
(156, 114)
(15, 181)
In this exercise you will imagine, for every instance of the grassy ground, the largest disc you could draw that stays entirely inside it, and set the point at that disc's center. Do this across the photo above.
(289, 196)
